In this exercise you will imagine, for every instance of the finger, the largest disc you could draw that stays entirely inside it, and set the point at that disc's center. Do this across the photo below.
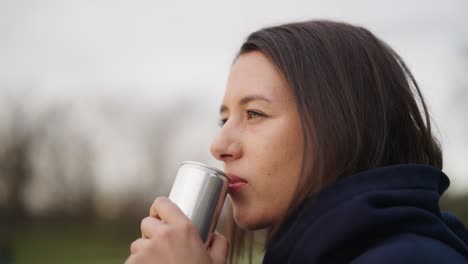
(167, 211)
(150, 226)
(135, 259)
(138, 244)
(131, 259)
(219, 248)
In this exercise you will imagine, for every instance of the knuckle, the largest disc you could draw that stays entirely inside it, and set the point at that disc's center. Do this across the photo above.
(147, 226)
(151, 246)
(157, 202)
(223, 241)
(160, 199)
(187, 228)
(145, 221)
(165, 233)
(135, 246)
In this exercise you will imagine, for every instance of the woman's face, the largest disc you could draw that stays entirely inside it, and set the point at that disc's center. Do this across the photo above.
(261, 141)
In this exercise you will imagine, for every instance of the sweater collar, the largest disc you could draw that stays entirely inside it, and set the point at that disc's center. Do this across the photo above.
(395, 177)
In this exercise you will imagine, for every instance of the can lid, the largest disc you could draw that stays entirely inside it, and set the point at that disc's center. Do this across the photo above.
(204, 165)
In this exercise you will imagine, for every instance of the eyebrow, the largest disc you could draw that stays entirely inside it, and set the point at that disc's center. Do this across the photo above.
(245, 100)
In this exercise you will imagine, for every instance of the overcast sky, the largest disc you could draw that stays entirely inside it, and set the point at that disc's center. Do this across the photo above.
(157, 51)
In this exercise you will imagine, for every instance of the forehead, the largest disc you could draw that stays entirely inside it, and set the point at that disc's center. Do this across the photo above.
(253, 73)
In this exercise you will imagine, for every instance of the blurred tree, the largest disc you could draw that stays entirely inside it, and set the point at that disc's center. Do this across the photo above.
(68, 169)
(14, 165)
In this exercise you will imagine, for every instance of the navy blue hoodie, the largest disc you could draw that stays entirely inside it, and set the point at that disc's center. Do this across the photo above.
(383, 215)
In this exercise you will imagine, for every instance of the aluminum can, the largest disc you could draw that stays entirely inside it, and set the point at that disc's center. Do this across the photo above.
(200, 191)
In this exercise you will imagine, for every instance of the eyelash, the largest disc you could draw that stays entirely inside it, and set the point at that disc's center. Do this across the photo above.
(221, 122)
(249, 113)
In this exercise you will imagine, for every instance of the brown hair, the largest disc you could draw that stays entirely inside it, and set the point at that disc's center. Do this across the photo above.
(360, 106)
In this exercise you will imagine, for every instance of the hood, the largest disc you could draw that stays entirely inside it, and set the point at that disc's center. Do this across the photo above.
(349, 216)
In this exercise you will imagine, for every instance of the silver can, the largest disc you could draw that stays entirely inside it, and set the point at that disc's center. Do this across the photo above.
(200, 190)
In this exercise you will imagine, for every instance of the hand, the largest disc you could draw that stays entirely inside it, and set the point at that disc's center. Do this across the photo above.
(169, 237)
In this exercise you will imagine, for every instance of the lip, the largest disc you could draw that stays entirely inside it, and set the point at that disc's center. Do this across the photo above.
(236, 183)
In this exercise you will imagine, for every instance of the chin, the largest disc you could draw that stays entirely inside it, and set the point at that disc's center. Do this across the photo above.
(249, 221)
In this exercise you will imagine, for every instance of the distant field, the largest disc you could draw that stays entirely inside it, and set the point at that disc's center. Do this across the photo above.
(47, 243)
(77, 243)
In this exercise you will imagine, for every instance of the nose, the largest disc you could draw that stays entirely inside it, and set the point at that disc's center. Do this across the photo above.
(226, 146)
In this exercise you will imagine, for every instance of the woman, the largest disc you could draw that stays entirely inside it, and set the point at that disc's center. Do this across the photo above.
(327, 141)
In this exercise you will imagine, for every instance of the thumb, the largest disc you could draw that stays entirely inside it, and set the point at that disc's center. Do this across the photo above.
(219, 249)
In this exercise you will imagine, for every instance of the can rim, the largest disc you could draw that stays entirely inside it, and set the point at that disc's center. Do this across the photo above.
(204, 165)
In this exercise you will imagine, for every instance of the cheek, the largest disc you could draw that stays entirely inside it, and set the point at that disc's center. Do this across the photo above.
(283, 151)
(276, 161)
(284, 172)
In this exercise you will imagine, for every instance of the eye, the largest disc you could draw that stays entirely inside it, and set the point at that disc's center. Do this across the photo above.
(254, 114)
(222, 121)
